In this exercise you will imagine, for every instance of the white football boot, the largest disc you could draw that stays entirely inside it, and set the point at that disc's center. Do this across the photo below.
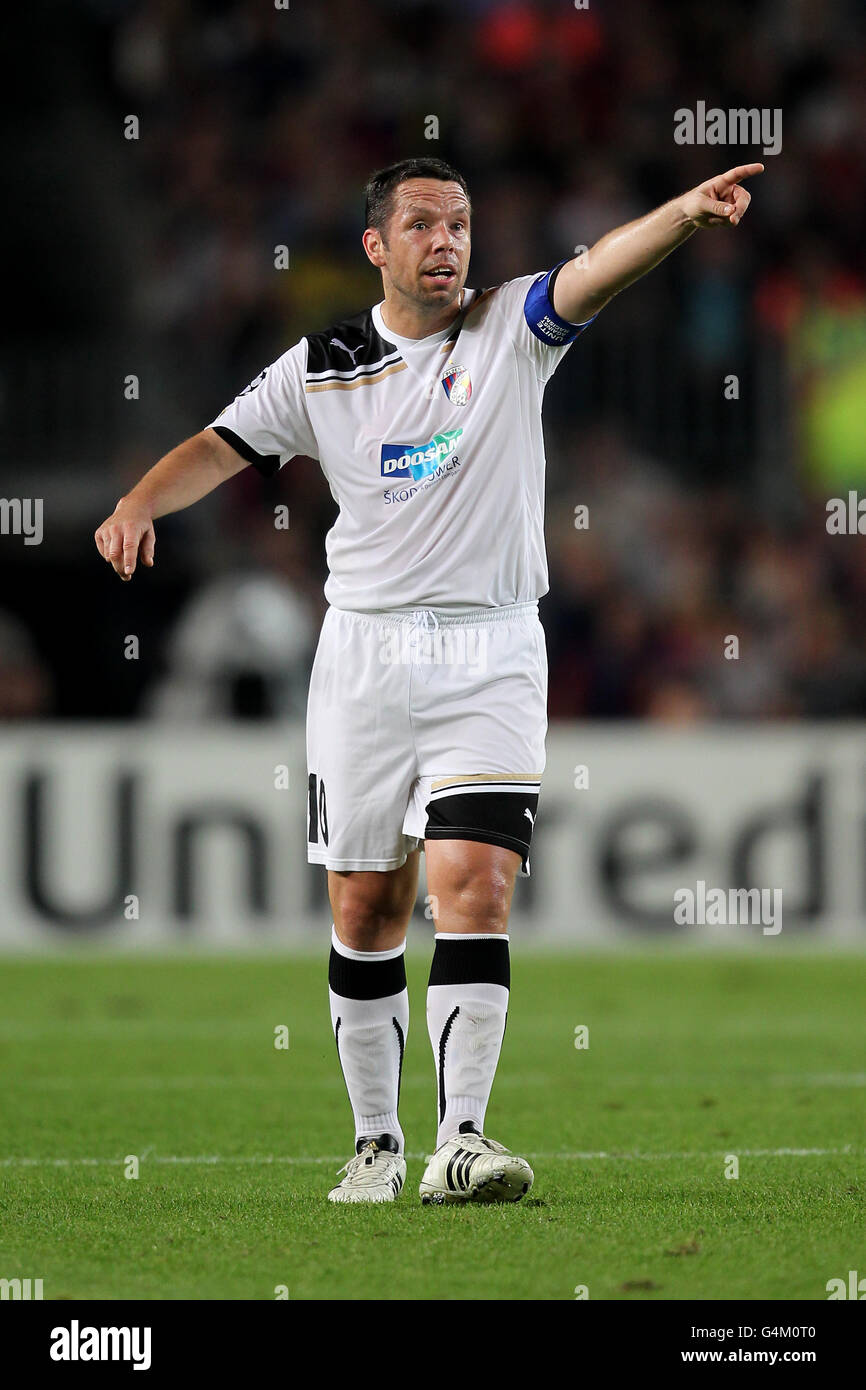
(470, 1168)
(376, 1174)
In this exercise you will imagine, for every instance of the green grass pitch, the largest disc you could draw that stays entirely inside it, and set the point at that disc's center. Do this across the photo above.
(690, 1059)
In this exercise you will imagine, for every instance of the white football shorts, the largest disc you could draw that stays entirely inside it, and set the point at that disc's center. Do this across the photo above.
(423, 726)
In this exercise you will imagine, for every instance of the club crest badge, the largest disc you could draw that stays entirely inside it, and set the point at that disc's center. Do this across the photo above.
(458, 387)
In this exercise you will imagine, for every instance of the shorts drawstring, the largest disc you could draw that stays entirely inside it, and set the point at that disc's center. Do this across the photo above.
(424, 623)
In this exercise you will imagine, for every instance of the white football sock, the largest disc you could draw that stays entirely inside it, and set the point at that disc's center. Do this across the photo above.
(370, 1017)
(467, 1008)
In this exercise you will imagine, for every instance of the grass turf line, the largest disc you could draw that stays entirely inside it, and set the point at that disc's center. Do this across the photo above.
(693, 1058)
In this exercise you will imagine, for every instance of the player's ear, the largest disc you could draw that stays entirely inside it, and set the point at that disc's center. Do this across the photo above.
(374, 246)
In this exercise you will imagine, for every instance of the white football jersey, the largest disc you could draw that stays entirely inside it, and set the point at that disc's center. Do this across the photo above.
(432, 448)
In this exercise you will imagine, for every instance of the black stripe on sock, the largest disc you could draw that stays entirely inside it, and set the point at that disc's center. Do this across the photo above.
(442, 1041)
(401, 1042)
(464, 961)
(337, 1027)
(366, 979)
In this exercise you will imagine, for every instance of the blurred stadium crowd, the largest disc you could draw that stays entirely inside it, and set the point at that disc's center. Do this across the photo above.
(257, 128)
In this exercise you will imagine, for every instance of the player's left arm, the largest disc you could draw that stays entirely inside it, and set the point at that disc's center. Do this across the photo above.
(585, 285)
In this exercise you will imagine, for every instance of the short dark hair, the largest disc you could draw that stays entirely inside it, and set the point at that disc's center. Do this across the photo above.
(380, 186)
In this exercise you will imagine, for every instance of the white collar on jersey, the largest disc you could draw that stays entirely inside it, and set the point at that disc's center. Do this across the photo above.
(390, 336)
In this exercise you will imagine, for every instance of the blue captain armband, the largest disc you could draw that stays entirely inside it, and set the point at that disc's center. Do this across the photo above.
(542, 318)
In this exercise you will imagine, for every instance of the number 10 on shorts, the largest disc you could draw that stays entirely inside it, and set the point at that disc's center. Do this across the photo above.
(318, 811)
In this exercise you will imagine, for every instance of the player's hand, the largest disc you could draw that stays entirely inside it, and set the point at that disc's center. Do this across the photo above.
(125, 537)
(721, 201)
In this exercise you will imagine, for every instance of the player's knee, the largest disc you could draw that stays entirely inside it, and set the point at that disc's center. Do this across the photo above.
(478, 896)
(371, 918)
(372, 910)
(363, 928)
(482, 908)
(471, 884)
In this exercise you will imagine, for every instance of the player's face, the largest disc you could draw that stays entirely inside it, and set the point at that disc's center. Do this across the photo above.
(426, 256)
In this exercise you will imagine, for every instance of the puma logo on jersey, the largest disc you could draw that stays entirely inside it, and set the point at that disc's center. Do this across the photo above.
(530, 817)
(335, 342)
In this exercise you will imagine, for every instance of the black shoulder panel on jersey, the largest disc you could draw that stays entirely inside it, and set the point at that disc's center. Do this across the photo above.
(347, 345)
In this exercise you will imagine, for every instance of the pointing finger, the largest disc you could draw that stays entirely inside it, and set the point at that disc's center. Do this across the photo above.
(745, 171)
(130, 551)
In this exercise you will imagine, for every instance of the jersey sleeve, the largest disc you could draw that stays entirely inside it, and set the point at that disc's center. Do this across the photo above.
(268, 423)
(532, 322)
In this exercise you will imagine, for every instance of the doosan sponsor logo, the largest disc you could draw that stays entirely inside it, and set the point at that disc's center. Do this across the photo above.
(77, 1343)
(418, 460)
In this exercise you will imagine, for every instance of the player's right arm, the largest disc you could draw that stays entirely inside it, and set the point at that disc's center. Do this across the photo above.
(266, 425)
(181, 477)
